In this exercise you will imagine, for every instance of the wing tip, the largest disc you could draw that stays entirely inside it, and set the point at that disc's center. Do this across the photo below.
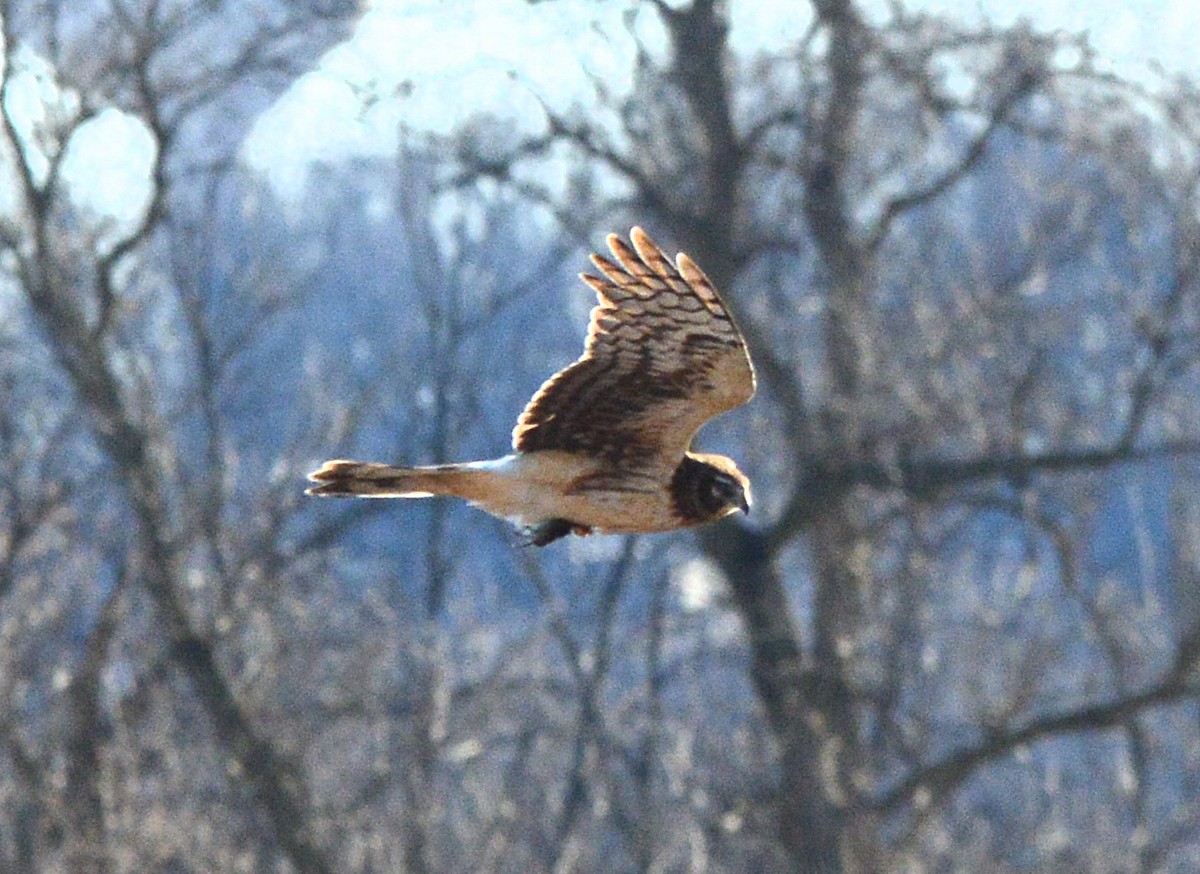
(595, 282)
(651, 256)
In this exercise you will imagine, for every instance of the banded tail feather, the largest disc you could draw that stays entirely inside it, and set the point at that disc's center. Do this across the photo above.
(364, 479)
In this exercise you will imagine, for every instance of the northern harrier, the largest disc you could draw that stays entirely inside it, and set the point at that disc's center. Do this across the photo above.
(604, 444)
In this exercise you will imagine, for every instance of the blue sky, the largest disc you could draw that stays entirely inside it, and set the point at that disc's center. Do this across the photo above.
(460, 56)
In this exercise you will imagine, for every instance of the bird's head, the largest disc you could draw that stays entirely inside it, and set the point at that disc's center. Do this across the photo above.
(717, 486)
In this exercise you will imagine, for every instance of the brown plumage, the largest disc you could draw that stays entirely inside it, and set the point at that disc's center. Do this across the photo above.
(604, 444)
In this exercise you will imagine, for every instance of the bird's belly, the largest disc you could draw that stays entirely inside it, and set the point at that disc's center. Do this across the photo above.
(528, 489)
(615, 512)
(623, 512)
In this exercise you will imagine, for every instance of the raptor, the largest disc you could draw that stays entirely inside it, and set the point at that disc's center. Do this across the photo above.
(605, 444)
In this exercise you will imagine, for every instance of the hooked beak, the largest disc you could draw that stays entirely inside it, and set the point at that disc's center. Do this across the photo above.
(744, 504)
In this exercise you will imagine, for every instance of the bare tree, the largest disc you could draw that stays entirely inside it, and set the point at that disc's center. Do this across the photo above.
(965, 261)
(96, 296)
(836, 167)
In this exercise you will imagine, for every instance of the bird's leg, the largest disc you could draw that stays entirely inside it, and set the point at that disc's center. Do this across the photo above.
(548, 531)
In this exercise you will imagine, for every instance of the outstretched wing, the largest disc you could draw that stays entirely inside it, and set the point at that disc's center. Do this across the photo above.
(662, 357)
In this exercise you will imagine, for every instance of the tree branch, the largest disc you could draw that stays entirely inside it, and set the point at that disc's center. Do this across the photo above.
(947, 774)
(924, 477)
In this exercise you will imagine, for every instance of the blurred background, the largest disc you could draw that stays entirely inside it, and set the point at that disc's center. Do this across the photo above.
(960, 631)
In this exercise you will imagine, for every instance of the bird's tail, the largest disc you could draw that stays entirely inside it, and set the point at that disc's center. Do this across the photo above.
(368, 479)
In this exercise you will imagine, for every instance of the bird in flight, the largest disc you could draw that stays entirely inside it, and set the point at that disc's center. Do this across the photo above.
(604, 445)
